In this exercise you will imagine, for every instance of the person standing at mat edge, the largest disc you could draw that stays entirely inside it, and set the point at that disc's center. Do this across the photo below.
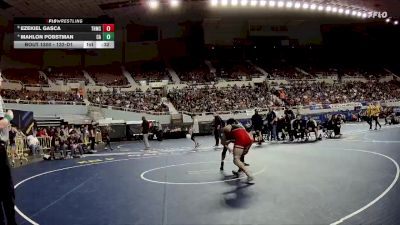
(377, 109)
(7, 194)
(194, 129)
(145, 132)
(218, 125)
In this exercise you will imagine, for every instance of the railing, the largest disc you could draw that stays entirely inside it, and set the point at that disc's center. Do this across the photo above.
(20, 149)
(15, 81)
(22, 146)
(51, 102)
(130, 109)
(232, 112)
(312, 106)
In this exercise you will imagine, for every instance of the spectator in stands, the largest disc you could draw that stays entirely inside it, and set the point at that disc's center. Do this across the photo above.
(57, 145)
(34, 145)
(75, 144)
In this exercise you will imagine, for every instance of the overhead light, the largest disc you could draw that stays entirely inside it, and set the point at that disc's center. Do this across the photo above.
(289, 4)
(359, 14)
(320, 8)
(263, 3)
(243, 2)
(224, 2)
(176, 3)
(354, 13)
(153, 4)
(334, 9)
(305, 5)
(328, 8)
(214, 2)
(340, 10)
(253, 3)
(396, 22)
(313, 6)
(387, 20)
(297, 5)
(271, 3)
(281, 4)
(234, 2)
(364, 15)
(347, 11)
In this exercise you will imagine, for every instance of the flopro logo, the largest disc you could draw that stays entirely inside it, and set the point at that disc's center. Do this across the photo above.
(381, 15)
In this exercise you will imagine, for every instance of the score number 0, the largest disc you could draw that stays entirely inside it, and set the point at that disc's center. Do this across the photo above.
(108, 27)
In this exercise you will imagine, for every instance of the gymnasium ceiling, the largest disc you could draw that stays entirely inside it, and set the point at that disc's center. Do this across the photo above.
(131, 9)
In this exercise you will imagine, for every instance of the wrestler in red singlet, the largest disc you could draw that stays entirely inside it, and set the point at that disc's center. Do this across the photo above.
(243, 141)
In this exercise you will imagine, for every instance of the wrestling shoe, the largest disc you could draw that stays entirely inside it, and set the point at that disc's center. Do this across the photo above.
(250, 180)
(237, 174)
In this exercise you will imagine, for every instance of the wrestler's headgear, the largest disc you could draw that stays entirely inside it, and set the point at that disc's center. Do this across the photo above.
(227, 129)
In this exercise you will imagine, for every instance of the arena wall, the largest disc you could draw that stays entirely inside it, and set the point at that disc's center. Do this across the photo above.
(49, 110)
(60, 110)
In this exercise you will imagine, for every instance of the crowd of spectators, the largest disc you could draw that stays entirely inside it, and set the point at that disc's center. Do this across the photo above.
(304, 93)
(148, 101)
(41, 96)
(75, 139)
(212, 99)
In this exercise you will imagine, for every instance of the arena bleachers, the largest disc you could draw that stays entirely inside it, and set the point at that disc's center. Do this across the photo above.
(193, 71)
(212, 99)
(67, 74)
(141, 101)
(149, 71)
(235, 70)
(323, 93)
(109, 75)
(26, 76)
(44, 97)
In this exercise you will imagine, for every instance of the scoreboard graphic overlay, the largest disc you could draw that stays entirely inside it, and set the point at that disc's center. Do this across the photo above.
(42, 33)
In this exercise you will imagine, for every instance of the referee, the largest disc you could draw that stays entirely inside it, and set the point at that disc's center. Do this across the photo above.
(7, 196)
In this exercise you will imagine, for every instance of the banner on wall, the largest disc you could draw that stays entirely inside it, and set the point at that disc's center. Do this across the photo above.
(23, 120)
